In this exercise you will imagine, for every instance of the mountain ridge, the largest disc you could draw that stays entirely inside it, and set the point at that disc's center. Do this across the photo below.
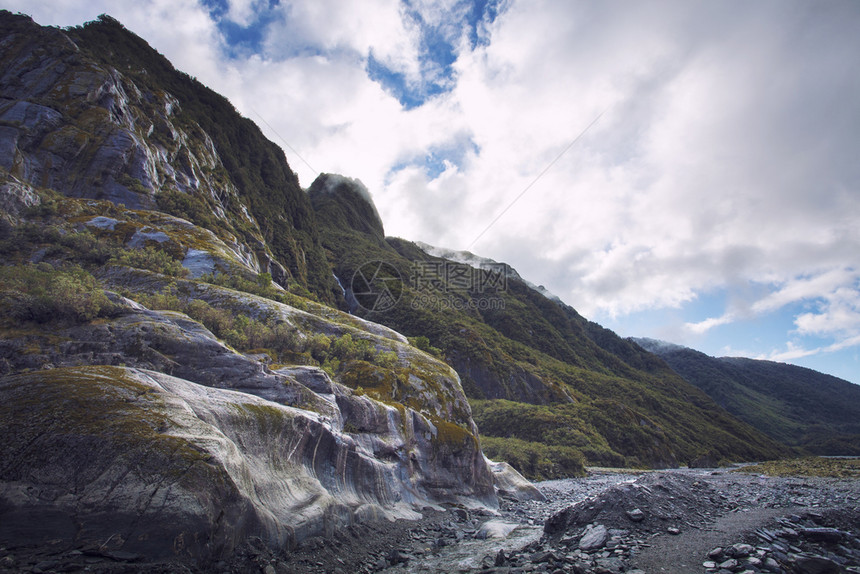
(795, 405)
(523, 356)
(163, 294)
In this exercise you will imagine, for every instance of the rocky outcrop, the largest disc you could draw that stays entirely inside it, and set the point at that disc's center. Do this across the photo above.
(146, 463)
(97, 123)
(511, 484)
(141, 432)
(291, 451)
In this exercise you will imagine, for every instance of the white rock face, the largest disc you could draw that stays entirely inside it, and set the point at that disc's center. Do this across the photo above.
(15, 197)
(89, 131)
(180, 466)
(224, 447)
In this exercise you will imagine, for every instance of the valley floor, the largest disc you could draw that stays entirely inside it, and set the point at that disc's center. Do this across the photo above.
(655, 522)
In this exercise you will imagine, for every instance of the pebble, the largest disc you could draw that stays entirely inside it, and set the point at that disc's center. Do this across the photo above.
(805, 547)
(805, 542)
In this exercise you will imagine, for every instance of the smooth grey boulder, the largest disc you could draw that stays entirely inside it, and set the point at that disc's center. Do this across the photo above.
(512, 484)
(593, 538)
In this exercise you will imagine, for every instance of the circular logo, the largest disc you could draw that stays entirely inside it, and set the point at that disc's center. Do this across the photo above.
(377, 286)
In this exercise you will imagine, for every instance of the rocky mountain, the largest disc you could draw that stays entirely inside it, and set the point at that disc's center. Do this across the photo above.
(549, 389)
(791, 404)
(171, 379)
(93, 112)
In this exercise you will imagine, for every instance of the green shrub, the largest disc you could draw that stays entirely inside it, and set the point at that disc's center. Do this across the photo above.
(319, 346)
(387, 359)
(150, 258)
(264, 280)
(423, 343)
(42, 294)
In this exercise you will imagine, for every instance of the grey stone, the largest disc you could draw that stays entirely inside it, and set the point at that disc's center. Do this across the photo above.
(501, 559)
(593, 538)
(636, 515)
(816, 565)
(740, 550)
(831, 535)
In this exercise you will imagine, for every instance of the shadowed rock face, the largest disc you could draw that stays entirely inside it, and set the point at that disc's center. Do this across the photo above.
(164, 467)
(167, 466)
(94, 138)
(88, 112)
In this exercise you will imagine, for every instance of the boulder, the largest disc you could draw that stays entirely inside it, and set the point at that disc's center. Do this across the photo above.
(167, 468)
(509, 482)
(593, 538)
(636, 515)
(495, 529)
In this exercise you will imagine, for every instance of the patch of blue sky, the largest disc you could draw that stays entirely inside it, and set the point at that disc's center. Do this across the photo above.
(439, 159)
(481, 15)
(242, 40)
(762, 336)
(410, 94)
(438, 51)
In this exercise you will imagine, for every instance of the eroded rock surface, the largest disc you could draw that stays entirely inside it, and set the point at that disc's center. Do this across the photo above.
(121, 424)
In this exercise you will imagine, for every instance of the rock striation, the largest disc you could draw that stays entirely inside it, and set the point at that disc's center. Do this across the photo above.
(92, 112)
(105, 444)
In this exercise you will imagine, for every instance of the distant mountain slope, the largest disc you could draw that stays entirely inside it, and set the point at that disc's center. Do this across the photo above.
(539, 376)
(794, 405)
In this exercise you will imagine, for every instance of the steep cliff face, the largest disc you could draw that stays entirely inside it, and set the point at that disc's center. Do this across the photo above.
(94, 112)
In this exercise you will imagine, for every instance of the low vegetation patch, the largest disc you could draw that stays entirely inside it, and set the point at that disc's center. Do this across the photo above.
(280, 340)
(535, 460)
(808, 466)
(42, 293)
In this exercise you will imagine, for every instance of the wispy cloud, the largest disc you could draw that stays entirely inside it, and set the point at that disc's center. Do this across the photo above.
(727, 159)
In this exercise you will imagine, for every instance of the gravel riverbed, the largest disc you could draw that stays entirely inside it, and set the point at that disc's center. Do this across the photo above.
(677, 521)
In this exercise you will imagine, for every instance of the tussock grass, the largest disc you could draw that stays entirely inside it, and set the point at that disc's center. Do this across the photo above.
(808, 466)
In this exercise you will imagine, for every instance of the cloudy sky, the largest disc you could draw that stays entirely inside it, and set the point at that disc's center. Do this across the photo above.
(683, 170)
